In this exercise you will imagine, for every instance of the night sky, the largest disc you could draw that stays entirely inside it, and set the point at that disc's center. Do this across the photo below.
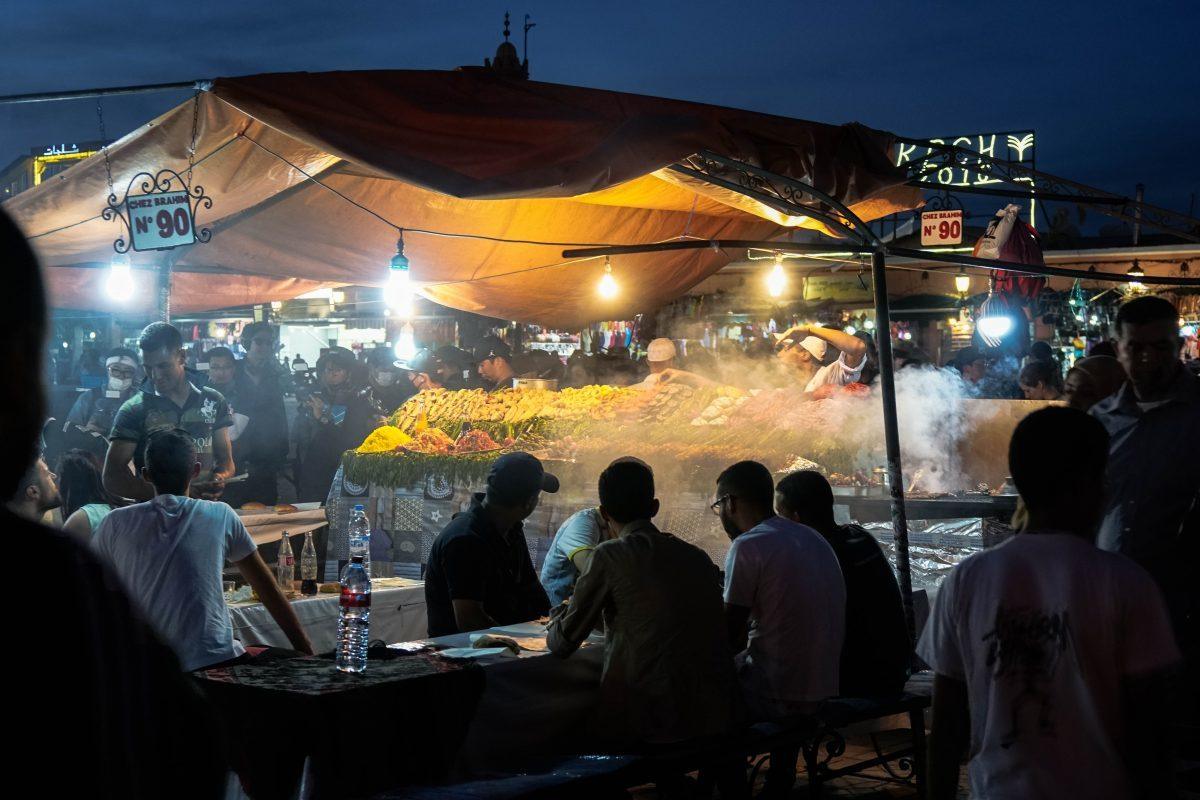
(1111, 88)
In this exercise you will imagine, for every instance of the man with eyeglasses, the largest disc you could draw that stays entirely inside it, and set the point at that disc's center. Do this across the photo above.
(95, 409)
(785, 607)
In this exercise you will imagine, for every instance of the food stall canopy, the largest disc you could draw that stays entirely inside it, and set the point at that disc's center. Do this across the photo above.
(464, 152)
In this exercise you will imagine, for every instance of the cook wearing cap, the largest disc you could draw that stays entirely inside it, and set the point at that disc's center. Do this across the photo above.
(480, 574)
(424, 371)
(457, 368)
(804, 350)
(660, 358)
(493, 360)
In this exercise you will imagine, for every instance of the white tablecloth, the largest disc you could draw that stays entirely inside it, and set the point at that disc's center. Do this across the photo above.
(397, 615)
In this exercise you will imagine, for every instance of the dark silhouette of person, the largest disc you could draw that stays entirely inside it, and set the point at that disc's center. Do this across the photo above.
(116, 717)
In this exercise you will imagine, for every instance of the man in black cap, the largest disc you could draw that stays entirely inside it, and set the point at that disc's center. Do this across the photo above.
(424, 371)
(457, 368)
(480, 574)
(494, 361)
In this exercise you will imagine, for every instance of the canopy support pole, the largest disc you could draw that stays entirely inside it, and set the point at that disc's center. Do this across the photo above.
(83, 94)
(164, 289)
(891, 436)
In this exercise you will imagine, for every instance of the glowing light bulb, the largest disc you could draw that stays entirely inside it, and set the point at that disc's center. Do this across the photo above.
(608, 284)
(777, 278)
(406, 348)
(120, 278)
(995, 327)
(398, 291)
(962, 281)
(850, 329)
(869, 324)
(995, 320)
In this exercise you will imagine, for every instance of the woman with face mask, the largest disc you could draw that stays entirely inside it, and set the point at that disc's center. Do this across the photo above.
(95, 409)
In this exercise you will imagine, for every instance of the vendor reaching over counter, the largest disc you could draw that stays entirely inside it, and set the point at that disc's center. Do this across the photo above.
(803, 349)
(660, 358)
(424, 371)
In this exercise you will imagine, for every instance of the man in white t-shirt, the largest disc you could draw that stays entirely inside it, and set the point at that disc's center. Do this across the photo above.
(1050, 654)
(169, 553)
(785, 606)
(803, 349)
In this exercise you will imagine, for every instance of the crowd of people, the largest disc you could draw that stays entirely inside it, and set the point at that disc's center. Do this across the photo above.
(1052, 653)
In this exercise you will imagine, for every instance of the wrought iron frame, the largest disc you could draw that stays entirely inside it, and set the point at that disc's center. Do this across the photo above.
(777, 191)
(1038, 185)
(156, 183)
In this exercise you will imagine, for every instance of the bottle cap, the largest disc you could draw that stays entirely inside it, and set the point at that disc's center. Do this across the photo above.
(358, 507)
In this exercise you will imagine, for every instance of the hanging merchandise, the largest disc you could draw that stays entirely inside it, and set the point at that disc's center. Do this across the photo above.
(1008, 238)
(997, 233)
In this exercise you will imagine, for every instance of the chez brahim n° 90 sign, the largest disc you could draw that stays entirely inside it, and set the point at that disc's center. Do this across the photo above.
(160, 220)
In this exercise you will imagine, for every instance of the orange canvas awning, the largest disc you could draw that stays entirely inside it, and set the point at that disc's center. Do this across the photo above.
(463, 152)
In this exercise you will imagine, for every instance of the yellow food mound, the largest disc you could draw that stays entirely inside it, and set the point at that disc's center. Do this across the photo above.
(384, 439)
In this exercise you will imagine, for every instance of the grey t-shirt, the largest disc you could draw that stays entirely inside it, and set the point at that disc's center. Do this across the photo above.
(169, 553)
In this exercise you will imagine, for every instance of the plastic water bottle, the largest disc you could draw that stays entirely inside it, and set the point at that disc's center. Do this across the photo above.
(285, 566)
(308, 566)
(360, 536)
(354, 629)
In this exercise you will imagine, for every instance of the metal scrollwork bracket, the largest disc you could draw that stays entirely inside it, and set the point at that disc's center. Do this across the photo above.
(148, 183)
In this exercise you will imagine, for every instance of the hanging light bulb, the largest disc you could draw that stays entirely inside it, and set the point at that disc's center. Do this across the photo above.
(777, 278)
(120, 278)
(995, 320)
(406, 348)
(608, 284)
(962, 281)
(869, 324)
(1136, 271)
(398, 292)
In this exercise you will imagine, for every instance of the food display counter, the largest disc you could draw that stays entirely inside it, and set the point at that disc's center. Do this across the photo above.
(415, 472)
